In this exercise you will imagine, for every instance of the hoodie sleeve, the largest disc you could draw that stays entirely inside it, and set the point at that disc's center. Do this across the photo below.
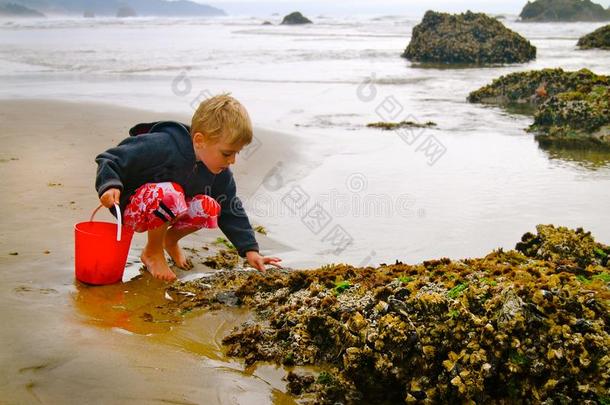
(130, 156)
(233, 220)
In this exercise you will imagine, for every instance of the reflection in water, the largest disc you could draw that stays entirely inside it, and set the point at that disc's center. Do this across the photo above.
(133, 306)
(587, 159)
(521, 109)
(139, 306)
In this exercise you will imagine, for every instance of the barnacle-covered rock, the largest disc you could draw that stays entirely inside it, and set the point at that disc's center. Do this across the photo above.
(472, 38)
(561, 245)
(571, 109)
(600, 38)
(530, 325)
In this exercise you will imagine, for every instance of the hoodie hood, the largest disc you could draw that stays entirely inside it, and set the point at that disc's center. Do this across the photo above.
(180, 132)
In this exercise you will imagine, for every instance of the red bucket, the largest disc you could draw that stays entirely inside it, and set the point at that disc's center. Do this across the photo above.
(101, 250)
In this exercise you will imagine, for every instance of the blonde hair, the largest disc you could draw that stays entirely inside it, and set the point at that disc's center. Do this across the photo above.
(224, 117)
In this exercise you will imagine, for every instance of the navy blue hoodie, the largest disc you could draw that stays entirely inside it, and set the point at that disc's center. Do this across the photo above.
(163, 151)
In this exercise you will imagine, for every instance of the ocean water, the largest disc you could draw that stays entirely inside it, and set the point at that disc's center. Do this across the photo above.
(474, 182)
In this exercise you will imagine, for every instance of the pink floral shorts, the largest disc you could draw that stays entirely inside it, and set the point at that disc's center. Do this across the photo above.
(154, 204)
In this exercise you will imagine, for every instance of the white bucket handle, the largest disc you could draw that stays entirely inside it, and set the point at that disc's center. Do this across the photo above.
(118, 219)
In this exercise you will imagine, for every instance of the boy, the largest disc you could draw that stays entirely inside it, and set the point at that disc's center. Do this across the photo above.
(171, 180)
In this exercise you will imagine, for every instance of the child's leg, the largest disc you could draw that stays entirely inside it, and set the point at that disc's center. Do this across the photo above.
(153, 256)
(202, 212)
(172, 237)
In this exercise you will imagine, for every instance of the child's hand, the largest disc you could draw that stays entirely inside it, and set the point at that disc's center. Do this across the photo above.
(110, 197)
(258, 262)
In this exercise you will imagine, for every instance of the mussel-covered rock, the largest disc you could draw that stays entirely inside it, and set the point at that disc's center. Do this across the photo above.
(560, 244)
(530, 325)
(600, 38)
(563, 10)
(471, 38)
(571, 109)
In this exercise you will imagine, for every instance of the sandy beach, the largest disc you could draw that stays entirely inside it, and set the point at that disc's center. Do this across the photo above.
(65, 343)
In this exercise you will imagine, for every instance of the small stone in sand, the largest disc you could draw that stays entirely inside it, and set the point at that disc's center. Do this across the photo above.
(14, 253)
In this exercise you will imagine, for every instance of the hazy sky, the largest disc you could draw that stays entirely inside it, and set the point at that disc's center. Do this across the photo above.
(347, 7)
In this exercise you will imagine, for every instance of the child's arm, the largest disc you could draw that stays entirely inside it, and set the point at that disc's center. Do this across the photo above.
(128, 158)
(234, 222)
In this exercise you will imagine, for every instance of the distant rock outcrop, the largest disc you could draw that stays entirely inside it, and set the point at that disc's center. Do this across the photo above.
(89, 14)
(600, 38)
(126, 11)
(571, 109)
(17, 10)
(295, 18)
(564, 10)
(466, 38)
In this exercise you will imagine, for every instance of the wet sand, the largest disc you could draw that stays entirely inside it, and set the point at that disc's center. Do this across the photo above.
(68, 343)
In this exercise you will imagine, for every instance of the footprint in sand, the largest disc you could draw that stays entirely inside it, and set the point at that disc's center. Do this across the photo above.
(27, 291)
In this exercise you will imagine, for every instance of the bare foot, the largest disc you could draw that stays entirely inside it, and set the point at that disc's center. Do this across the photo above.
(177, 254)
(157, 265)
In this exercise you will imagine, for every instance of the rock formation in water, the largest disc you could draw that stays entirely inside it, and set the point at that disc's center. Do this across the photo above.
(530, 325)
(571, 109)
(600, 38)
(295, 18)
(389, 126)
(126, 11)
(472, 38)
(563, 10)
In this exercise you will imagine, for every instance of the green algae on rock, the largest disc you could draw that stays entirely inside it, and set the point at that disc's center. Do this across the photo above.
(600, 38)
(531, 327)
(521, 87)
(224, 259)
(295, 18)
(575, 120)
(468, 38)
(563, 10)
(572, 108)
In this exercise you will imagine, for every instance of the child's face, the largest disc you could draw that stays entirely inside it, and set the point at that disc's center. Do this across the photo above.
(216, 155)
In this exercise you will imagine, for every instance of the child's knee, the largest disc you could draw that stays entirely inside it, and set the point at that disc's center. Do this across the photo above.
(209, 206)
(172, 202)
(203, 212)
(154, 204)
